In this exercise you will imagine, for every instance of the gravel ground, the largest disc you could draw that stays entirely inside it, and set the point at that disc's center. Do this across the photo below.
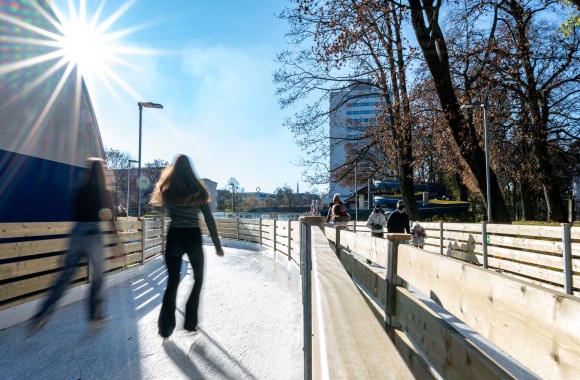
(250, 328)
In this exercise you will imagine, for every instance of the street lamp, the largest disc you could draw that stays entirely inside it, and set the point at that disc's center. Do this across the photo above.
(484, 105)
(355, 197)
(141, 105)
(128, 183)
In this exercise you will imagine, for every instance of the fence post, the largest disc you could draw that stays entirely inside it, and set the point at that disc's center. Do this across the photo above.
(441, 238)
(275, 220)
(162, 235)
(567, 254)
(260, 238)
(337, 242)
(395, 239)
(306, 223)
(484, 242)
(143, 238)
(237, 228)
(289, 240)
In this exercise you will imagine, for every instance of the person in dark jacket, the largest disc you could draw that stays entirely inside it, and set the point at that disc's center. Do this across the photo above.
(92, 206)
(183, 197)
(399, 220)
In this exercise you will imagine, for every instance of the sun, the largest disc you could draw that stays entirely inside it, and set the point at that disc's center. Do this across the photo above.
(85, 43)
(84, 46)
(90, 42)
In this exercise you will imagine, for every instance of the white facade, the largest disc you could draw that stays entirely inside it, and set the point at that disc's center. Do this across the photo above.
(576, 196)
(211, 188)
(347, 123)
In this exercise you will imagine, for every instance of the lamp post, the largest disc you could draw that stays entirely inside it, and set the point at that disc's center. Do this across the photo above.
(141, 105)
(128, 183)
(355, 196)
(233, 198)
(484, 105)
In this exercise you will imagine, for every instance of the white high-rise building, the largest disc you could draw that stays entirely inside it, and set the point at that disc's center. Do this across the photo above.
(352, 111)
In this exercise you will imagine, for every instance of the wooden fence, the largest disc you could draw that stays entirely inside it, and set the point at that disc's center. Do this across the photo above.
(547, 256)
(32, 255)
(419, 291)
(283, 236)
(535, 325)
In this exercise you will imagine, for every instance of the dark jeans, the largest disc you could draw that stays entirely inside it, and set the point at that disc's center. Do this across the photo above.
(85, 241)
(180, 241)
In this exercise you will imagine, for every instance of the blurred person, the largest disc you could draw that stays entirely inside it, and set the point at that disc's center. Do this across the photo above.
(121, 211)
(337, 215)
(376, 222)
(183, 197)
(419, 235)
(398, 221)
(92, 205)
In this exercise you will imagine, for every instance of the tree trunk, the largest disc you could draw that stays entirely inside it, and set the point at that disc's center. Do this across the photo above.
(539, 119)
(527, 203)
(433, 46)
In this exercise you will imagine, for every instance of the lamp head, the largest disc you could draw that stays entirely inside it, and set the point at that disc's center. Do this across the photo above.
(149, 105)
(469, 106)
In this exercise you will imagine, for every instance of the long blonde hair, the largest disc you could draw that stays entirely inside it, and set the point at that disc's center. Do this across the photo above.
(178, 185)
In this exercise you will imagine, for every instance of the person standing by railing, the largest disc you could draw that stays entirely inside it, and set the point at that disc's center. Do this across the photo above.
(183, 197)
(399, 220)
(337, 215)
(92, 205)
(376, 222)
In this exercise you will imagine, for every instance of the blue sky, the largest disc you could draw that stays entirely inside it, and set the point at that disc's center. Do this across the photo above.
(210, 64)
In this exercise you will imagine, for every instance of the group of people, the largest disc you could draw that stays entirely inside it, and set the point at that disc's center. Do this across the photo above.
(182, 197)
(397, 222)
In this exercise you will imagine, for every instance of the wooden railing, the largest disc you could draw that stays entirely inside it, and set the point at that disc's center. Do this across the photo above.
(545, 255)
(413, 293)
(32, 255)
(431, 295)
(283, 236)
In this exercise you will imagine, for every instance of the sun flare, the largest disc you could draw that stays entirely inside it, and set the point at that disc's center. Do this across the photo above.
(84, 46)
(83, 41)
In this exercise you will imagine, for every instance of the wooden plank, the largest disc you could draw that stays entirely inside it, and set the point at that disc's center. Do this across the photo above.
(128, 225)
(32, 248)
(153, 242)
(465, 256)
(122, 237)
(122, 249)
(452, 355)
(527, 244)
(419, 368)
(348, 341)
(154, 233)
(461, 236)
(575, 232)
(154, 224)
(27, 299)
(526, 257)
(19, 288)
(13, 230)
(463, 227)
(500, 308)
(535, 272)
(153, 251)
(519, 230)
(26, 267)
(374, 249)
